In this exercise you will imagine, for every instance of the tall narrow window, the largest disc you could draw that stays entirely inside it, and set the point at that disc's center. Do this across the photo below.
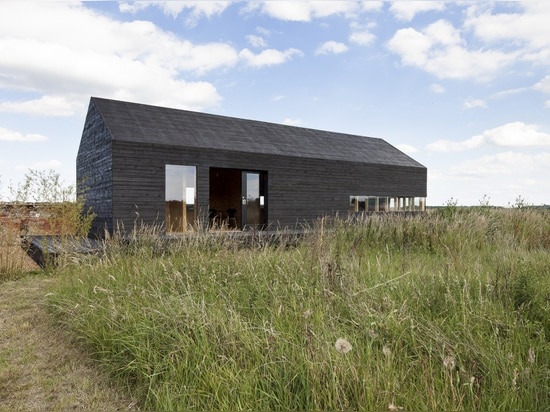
(180, 196)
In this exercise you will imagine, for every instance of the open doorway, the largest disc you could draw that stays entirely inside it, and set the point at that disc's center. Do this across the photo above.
(238, 199)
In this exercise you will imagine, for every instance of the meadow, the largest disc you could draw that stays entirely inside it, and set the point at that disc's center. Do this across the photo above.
(448, 310)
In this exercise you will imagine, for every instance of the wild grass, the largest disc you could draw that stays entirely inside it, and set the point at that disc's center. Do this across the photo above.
(442, 311)
(13, 260)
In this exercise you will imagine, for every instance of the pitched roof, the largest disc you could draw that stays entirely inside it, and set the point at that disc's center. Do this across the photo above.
(141, 123)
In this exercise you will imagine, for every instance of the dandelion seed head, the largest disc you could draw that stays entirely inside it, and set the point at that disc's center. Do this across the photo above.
(372, 333)
(449, 362)
(386, 351)
(342, 345)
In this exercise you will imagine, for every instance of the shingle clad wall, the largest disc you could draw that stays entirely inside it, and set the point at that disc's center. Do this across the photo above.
(94, 173)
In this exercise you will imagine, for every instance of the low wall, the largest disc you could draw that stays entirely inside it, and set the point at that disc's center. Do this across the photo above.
(29, 218)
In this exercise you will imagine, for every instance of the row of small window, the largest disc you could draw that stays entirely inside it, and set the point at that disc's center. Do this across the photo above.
(387, 204)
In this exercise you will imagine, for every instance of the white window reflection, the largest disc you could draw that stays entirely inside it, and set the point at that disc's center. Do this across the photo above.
(180, 197)
(386, 204)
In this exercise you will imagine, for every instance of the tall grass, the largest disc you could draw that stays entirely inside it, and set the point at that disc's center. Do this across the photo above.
(12, 258)
(435, 312)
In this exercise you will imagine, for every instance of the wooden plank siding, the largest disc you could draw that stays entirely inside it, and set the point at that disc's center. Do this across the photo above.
(298, 191)
(126, 176)
(94, 170)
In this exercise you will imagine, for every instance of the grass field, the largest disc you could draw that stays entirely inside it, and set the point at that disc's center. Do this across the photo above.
(445, 311)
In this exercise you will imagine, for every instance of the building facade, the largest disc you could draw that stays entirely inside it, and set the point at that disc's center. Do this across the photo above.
(180, 169)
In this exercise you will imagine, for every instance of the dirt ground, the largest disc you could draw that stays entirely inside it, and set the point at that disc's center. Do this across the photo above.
(39, 367)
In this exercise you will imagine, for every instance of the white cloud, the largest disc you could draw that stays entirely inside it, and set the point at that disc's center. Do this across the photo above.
(307, 10)
(505, 163)
(440, 50)
(263, 31)
(256, 41)
(361, 33)
(509, 92)
(371, 6)
(437, 88)
(363, 38)
(268, 57)
(331, 47)
(196, 9)
(407, 148)
(292, 122)
(406, 10)
(7, 135)
(44, 106)
(544, 85)
(528, 26)
(443, 33)
(475, 104)
(501, 176)
(523, 27)
(100, 57)
(452, 146)
(514, 135)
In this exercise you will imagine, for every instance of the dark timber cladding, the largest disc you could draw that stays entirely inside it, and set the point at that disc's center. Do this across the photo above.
(125, 147)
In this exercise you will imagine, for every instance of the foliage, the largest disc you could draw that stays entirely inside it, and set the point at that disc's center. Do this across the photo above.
(57, 200)
(520, 202)
(433, 312)
(57, 204)
(450, 208)
(42, 186)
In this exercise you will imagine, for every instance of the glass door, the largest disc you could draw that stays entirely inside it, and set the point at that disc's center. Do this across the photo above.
(180, 198)
(253, 200)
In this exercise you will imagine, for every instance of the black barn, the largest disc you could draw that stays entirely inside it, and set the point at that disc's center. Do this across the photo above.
(180, 168)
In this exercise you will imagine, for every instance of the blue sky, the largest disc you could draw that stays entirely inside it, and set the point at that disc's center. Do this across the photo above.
(462, 87)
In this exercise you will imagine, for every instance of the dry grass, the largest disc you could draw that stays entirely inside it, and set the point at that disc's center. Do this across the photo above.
(40, 369)
(16, 255)
(14, 262)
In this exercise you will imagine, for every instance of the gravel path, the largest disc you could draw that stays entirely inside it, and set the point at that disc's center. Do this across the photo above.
(39, 367)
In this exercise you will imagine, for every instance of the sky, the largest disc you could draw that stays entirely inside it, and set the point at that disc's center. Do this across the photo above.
(463, 87)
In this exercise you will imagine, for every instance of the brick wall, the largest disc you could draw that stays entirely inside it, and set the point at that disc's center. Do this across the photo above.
(29, 219)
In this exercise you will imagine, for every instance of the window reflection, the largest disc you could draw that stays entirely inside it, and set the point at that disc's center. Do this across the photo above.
(253, 200)
(180, 197)
(386, 204)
